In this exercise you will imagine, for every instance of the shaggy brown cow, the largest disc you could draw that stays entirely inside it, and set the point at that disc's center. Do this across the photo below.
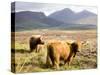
(59, 50)
(33, 42)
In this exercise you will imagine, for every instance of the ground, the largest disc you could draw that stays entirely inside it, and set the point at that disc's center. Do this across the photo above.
(35, 62)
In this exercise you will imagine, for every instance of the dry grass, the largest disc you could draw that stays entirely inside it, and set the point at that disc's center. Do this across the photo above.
(35, 62)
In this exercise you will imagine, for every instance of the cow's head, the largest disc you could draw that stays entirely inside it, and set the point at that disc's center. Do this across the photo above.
(74, 48)
(39, 40)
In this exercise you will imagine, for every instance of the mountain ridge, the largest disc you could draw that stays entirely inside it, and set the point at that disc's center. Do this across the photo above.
(69, 17)
(37, 20)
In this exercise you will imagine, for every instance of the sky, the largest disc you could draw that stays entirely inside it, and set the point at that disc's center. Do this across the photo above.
(50, 8)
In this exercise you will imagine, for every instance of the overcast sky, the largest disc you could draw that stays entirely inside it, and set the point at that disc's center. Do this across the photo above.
(50, 8)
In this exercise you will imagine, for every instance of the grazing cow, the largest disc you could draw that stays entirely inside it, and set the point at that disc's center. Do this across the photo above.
(33, 42)
(60, 50)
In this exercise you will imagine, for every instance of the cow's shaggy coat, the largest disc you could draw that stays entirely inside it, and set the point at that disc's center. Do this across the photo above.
(33, 43)
(59, 50)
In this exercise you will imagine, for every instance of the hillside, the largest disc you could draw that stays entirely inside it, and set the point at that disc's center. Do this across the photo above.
(63, 19)
(68, 16)
(32, 20)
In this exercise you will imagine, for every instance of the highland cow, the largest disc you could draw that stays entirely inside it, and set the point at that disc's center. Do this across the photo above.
(33, 43)
(59, 50)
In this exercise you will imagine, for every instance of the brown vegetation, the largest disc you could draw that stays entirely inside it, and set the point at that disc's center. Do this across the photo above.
(23, 61)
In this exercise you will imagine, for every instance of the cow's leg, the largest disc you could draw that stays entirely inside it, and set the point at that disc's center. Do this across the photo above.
(67, 61)
(36, 50)
(70, 60)
(48, 61)
(52, 60)
(31, 49)
(56, 63)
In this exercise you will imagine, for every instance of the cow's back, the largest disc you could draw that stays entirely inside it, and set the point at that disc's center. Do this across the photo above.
(59, 48)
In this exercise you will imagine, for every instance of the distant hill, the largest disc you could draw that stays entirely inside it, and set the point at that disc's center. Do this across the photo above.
(63, 19)
(84, 14)
(65, 15)
(33, 20)
(68, 16)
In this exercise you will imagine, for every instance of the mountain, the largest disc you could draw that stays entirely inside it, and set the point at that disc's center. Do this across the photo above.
(84, 14)
(32, 20)
(28, 16)
(68, 16)
(65, 15)
(63, 19)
